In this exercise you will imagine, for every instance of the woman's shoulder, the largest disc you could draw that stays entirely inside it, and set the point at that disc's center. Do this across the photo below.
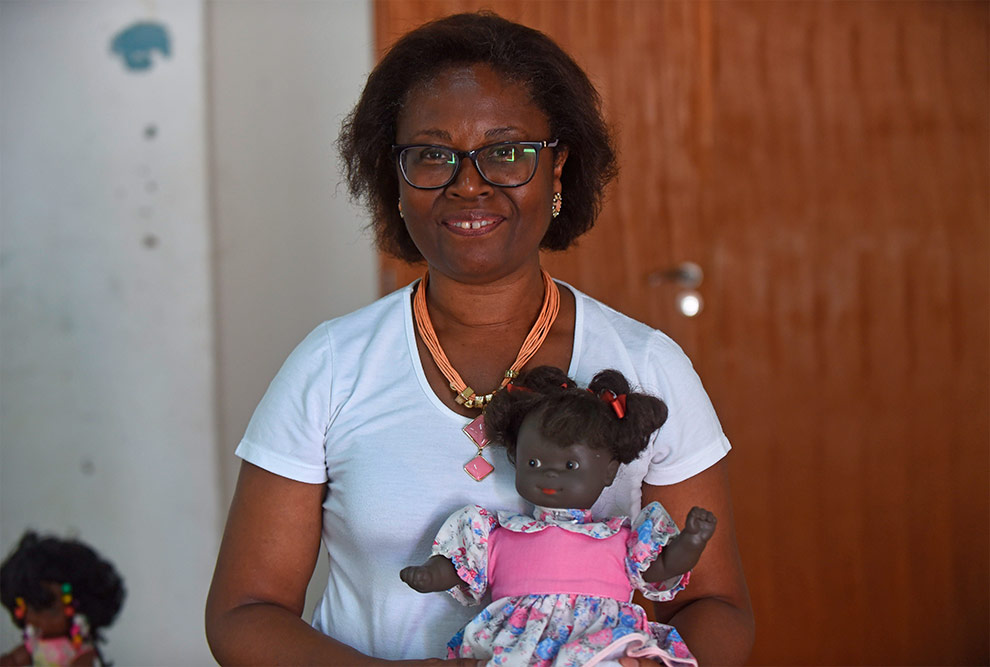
(337, 337)
(603, 327)
(391, 305)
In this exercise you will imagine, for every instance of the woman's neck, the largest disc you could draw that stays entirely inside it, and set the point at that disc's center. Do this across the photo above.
(510, 303)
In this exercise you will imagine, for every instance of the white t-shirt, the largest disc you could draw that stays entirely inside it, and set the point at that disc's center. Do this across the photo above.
(352, 408)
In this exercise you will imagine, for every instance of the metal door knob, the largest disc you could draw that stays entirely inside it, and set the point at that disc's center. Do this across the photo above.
(688, 276)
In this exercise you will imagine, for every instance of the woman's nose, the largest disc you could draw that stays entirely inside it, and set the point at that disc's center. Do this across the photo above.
(468, 182)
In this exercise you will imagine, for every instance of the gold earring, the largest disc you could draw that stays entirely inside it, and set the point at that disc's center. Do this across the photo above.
(556, 204)
(400, 211)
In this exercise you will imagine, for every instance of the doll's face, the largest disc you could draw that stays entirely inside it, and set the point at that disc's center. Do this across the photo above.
(49, 621)
(551, 475)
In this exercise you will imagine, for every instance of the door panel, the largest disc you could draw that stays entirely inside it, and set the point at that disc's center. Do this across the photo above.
(826, 163)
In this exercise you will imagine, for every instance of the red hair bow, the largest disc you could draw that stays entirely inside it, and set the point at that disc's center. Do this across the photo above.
(617, 401)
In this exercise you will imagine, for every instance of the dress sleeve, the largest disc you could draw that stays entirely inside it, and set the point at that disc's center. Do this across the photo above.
(650, 533)
(463, 539)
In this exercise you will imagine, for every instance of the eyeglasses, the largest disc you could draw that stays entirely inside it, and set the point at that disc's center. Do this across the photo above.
(507, 164)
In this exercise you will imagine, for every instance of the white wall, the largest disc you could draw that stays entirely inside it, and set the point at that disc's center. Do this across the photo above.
(152, 279)
(290, 247)
(106, 347)
(291, 251)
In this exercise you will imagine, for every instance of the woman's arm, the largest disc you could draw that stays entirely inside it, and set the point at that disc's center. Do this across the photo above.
(713, 614)
(269, 550)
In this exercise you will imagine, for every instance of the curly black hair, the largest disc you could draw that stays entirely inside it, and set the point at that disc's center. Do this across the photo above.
(557, 85)
(97, 588)
(570, 414)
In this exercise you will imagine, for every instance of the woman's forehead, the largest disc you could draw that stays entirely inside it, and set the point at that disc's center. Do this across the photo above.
(472, 98)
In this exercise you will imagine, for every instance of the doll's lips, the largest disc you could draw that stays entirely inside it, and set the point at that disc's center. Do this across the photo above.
(549, 492)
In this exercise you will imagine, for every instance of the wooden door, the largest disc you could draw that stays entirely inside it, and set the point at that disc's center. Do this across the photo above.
(826, 164)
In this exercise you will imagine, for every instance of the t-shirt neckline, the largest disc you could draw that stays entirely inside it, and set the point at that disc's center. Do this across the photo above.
(417, 362)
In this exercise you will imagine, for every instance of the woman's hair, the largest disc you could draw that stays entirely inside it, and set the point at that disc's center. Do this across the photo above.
(569, 414)
(97, 589)
(556, 84)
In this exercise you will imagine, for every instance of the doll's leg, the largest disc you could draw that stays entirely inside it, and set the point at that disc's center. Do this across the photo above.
(436, 574)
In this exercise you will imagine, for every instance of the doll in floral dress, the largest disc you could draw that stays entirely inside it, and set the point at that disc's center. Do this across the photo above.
(562, 582)
(62, 594)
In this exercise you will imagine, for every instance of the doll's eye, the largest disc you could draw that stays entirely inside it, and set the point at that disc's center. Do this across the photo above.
(534, 463)
(573, 465)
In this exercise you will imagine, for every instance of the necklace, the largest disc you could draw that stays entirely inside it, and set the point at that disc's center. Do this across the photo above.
(479, 467)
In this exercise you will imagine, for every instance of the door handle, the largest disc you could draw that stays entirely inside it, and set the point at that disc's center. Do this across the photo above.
(688, 276)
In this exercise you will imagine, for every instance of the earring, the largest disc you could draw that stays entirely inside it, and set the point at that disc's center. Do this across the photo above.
(67, 599)
(80, 630)
(21, 609)
(556, 204)
(400, 211)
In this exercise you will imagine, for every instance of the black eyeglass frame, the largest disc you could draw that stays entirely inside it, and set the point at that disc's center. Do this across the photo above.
(473, 156)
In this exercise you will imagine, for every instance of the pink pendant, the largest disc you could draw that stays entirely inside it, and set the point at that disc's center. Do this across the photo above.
(476, 431)
(479, 468)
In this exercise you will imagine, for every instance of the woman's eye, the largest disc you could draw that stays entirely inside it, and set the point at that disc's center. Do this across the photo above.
(503, 154)
(534, 463)
(434, 155)
(573, 465)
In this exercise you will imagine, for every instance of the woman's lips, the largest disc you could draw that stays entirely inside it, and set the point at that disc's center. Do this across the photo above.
(470, 221)
(475, 224)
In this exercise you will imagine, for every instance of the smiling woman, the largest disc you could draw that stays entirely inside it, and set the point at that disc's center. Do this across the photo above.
(470, 229)
(476, 143)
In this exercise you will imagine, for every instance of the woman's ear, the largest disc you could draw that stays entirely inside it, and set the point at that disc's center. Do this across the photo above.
(559, 158)
(611, 470)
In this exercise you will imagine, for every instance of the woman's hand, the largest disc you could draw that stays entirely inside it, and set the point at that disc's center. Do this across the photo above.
(438, 662)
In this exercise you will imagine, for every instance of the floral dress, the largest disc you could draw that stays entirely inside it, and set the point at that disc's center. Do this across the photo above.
(56, 651)
(561, 585)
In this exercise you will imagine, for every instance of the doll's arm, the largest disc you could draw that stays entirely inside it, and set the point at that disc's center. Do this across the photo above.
(713, 614)
(683, 551)
(436, 574)
(19, 656)
(86, 659)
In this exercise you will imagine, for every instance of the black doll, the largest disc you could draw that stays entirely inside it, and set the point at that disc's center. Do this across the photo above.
(561, 581)
(62, 594)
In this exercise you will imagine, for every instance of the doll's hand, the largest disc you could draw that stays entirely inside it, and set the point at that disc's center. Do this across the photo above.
(19, 656)
(417, 577)
(436, 574)
(700, 524)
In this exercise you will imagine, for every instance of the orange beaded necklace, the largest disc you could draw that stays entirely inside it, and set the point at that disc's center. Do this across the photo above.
(479, 467)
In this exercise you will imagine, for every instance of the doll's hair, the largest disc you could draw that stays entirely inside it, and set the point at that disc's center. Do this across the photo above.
(97, 589)
(570, 414)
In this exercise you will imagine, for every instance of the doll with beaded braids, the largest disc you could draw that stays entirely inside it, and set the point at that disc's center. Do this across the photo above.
(562, 582)
(63, 595)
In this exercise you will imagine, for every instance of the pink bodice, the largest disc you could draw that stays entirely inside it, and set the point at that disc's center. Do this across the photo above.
(554, 561)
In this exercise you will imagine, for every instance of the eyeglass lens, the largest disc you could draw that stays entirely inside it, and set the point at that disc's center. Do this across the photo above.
(502, 164)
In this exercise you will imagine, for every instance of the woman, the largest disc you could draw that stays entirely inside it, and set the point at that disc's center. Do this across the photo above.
(476, 142)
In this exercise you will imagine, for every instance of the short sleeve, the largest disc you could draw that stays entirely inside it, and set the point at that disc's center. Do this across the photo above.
(463, 539)
(287, 433)
(692, 439)
(651, 532)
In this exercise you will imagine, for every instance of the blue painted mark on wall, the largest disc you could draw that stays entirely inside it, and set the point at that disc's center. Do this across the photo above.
(136, 44)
